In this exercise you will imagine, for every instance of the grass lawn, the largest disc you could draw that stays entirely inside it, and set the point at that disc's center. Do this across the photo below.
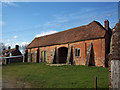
(41, 75)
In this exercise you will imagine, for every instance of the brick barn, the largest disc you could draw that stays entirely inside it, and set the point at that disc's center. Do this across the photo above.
(85, 45)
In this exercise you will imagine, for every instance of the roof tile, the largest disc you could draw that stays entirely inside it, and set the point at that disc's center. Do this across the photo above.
(90, 31)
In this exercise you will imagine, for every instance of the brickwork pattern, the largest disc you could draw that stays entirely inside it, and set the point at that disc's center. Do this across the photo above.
(98, 47)
(115, 58)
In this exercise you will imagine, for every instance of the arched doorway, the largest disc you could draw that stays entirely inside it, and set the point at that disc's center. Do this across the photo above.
(62, 54)
(92, 60)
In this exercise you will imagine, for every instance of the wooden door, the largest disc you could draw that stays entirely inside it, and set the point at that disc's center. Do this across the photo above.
(42, 54)
(45, 56)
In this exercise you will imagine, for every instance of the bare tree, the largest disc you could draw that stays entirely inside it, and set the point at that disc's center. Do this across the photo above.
(22, 48)
(2, 46)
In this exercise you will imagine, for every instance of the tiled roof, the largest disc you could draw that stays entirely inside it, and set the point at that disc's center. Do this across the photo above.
(86, 32)
(8, 51)
(14, 52)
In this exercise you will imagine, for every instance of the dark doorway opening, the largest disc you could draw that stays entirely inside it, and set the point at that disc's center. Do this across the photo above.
(71, 56)
(26, 56)
(37, 55)
(62, 54)
(54, 58)
(106, 61)
(92, 60)
(7, 61)
(31, 57)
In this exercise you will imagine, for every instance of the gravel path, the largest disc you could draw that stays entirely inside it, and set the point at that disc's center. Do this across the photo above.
(0, 84)
(7, 83)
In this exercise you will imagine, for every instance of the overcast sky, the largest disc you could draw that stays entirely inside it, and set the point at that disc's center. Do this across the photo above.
(23, 21)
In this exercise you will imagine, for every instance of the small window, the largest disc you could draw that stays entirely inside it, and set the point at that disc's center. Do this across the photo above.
(51, 52)
(77, 52)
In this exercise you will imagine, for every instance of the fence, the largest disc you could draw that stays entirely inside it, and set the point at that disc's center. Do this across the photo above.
(10, 57)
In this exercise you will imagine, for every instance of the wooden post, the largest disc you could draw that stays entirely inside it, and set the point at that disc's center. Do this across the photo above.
(52, 57)
(69, 54)
(57, 58)
(95, 83)
(29, 57)
(23, 58)
(88, 54)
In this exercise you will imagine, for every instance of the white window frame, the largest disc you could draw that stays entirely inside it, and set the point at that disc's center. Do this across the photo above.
(76, 55)
(51, 52)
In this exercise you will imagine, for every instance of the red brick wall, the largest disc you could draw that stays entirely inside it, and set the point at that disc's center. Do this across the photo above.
(99, 51)
(98, 47)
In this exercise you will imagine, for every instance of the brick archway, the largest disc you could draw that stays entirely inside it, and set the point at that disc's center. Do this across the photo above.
(62, 54)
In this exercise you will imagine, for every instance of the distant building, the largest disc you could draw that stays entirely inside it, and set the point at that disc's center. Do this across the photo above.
(85, 45)
(11, 55)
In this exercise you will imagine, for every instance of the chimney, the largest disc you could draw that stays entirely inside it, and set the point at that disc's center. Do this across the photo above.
(106, 24)
(17, 47)
(9, 47)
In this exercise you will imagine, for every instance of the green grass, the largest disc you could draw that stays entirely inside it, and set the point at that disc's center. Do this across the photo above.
(44, 76)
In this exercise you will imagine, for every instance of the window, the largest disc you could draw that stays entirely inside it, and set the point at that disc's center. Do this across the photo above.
(43, 56)
(77, 52)
(51, 52)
